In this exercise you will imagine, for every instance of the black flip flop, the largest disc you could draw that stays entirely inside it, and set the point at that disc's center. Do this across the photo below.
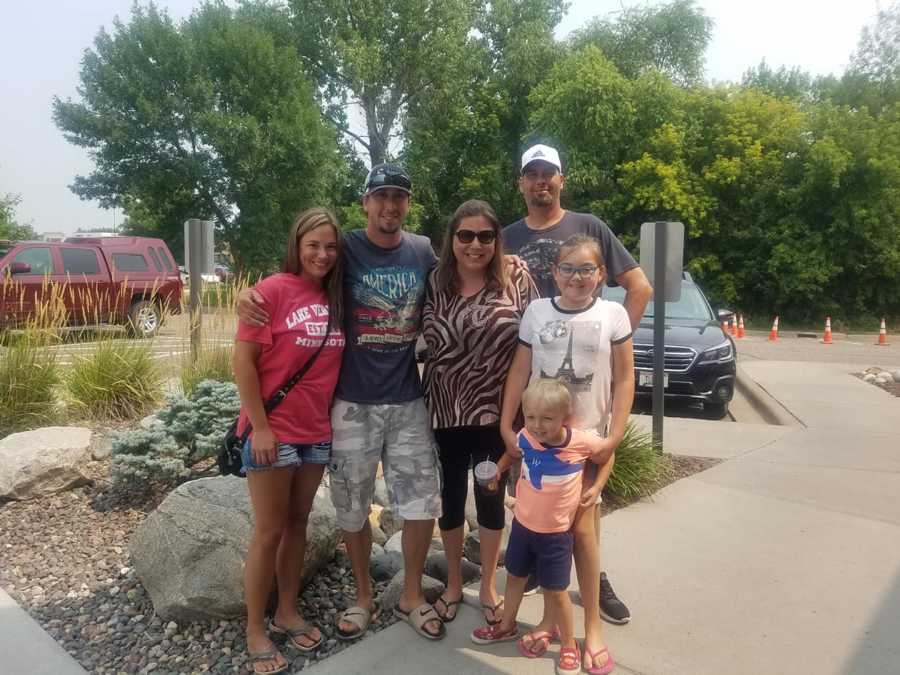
(449, 604)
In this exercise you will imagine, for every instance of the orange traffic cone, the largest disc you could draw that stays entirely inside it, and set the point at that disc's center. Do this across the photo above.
(740, 325)
(733, 328)
(725, 327)
(882, 335)
(773, 334)
(827, 338)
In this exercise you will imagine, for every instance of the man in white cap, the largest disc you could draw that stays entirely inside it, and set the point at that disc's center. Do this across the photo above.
(536, 238)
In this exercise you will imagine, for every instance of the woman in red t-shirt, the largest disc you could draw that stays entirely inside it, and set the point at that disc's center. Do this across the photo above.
(287, 450)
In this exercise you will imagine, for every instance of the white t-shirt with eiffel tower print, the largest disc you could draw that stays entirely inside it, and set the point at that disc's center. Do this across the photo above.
(575, 346)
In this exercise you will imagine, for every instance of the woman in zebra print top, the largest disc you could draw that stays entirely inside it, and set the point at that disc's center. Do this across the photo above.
(470, 323)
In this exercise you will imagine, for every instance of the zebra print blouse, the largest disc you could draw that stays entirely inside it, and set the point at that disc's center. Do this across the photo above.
(471, 342)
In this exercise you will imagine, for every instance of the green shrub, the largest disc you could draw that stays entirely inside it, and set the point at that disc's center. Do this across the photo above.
(190, 429)
(28, 375)
(118, 380)
(212, 363)
(640, 467)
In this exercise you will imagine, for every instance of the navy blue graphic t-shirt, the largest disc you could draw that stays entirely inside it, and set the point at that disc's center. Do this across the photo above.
(539, 248)
(384, 291)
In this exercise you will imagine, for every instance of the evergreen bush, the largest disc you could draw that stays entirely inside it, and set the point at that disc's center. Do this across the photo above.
(190, 430)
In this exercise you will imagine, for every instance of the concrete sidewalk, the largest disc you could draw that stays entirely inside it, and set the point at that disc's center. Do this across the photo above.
(26, 648)
(783, 558)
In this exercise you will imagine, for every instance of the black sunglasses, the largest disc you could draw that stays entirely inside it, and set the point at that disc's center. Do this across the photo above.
(468, 236)
(389, 179)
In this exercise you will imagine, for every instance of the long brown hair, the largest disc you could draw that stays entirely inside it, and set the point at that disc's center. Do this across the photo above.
(446, 276)
(305, 223)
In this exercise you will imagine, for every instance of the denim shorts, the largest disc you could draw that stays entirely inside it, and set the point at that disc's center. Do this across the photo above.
(289, 454)
(547, 554)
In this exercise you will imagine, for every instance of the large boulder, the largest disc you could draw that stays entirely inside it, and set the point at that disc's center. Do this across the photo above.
(189, 553)
(43, 462)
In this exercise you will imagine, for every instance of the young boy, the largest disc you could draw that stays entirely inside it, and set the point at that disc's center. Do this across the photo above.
(548, 493)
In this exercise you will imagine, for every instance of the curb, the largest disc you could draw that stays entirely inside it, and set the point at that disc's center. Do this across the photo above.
(765, 405)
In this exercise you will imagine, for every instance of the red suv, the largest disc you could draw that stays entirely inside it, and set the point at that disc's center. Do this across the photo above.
(123, 280)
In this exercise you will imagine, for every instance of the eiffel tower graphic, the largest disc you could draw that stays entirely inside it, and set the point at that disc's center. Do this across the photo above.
(566, 372)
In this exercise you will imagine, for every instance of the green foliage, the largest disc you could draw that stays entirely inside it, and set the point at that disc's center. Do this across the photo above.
(212, 363)
(209, 118)
(671, 38)
(9, 227)
(640, 466)
(190, 429)
(28, 375)
(118, 380)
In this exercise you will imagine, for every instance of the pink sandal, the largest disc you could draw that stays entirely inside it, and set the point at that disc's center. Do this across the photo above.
(490, 634)
(540, 643)
(569, 661)
(605, 668)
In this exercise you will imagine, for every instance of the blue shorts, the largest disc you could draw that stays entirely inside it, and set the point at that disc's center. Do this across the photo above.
(289, 454)
(547, 554)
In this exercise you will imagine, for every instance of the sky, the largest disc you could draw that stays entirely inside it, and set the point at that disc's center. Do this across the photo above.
(42, 42)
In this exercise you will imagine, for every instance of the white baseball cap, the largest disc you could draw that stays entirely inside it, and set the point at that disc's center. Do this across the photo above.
(542, 153)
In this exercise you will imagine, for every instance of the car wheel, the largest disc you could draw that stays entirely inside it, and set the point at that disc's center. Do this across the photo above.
(715, 411)
(144, 319)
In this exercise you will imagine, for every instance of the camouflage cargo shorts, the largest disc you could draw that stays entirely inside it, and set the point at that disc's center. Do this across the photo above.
(397, 435)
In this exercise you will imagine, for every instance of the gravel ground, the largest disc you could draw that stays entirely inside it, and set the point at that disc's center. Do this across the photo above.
(65, 560)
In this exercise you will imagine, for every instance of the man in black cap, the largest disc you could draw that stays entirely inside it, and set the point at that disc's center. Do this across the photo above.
(379, 415)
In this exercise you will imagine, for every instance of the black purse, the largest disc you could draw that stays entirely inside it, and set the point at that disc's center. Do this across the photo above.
(229, 457)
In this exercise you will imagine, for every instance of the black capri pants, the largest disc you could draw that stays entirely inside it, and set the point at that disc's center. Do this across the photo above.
(460, 449)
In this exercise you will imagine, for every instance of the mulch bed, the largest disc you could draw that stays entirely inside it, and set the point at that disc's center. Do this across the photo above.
(680, 466)
(65, 560)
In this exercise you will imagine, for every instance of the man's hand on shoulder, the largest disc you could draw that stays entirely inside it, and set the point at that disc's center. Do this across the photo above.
(249, 308)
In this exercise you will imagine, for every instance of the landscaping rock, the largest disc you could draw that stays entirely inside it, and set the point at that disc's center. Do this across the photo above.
(378, 536)
(896, 375)
(150, 421)
(189, 553)
(868, 377)
(43, 462)
(381, 493)
(472, 547)
(391, 595)
(384, 566)
(436, 566)
(389, 523)
(884, 378)
(394, 544)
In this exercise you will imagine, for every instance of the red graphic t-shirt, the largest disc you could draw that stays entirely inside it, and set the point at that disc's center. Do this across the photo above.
(298, 313)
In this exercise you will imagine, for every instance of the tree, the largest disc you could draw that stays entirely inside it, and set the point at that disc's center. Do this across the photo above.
(465, 141)
(790, 82)
(209, 119)
(672, 38)
(10, 228)
(382, 56)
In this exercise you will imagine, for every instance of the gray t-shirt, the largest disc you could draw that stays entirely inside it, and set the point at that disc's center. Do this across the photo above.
(539, 248)
(384, 291)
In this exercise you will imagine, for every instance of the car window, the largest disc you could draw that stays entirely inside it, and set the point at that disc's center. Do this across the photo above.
(165, 258)
(79, 261)
(155, 259)
(130, 262)
(691, 305)
(38, 257)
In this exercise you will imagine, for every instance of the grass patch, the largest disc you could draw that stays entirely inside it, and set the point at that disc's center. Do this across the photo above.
(28, 375)
(118, 380)
(212, 363)
(640, 467)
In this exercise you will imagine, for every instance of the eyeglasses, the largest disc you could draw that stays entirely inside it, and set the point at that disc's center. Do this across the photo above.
(583, 271)
(468, 236)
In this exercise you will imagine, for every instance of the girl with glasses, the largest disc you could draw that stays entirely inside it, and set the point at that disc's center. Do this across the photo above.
(473, 307)
(585, 342)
